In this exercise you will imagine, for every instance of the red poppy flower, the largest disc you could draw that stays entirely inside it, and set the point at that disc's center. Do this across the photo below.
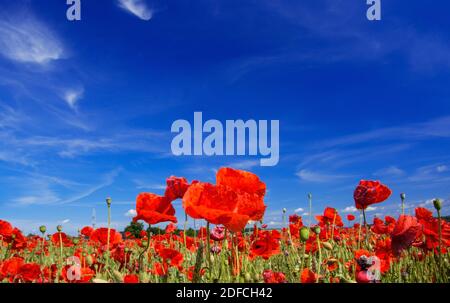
(176, 188)
(405, 232)
(29, 272)
(236, 198)
(330, 216)
(273, 277)
(10, 268)
(87, 231)
(60, 236)
(370, 192)
(266, 245)
(154, 209)
(100, 235)
(217, 233)
(6, 229)
(170, 228)
(131, 279)
(190, 272)
(171, 257)
(350, 217)
(308, 276)
(295, 219)
(430, 227)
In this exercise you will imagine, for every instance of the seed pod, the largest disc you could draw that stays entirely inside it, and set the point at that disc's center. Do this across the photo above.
(248, 278)
(327, 245)
(304, 233)
(89, 260)
(118, 277)
(42, 229)
(59, 228)
(437, 204)
(108, 201)
(317, 230)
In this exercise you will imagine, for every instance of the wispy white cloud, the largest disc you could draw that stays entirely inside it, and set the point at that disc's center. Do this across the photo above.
(131, 213)
(352, 209)
(391, 171)
(72, 96)
(298, 210)
(138, 8)
(25, 39)
(245, 164)
(318, 177)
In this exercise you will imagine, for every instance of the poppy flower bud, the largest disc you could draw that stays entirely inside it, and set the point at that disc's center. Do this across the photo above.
(42, 229)
(309, 196)
(108, 201)
(89, 260)
(437, 204)
(284, 210)
(327, 245)
(75, 241)
(304, 233)
(403, 196)
(59, 228)
(118, 277)
(317, 230)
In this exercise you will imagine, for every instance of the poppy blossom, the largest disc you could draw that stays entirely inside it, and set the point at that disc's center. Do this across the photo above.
(176, 188)
(170, 228)
(10, 268)
(100, 235)
(370, 192)
(131, 279)
(236, 198)
(87, 231)
(61, 238)
(6, 229)
(405, 232)
(330, 217)
(350, 217)
(29, 272)
(217, 233)
(308, 276)
(274, 277)
(154, 209)
(266, 245)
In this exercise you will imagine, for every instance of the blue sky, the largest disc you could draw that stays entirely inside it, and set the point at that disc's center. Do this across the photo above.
(86, 107)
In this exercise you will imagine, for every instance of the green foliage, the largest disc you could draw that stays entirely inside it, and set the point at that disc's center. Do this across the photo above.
(135, 229)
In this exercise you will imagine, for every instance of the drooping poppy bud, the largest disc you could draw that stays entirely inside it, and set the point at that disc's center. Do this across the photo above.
(437, 204)
(304, 233)
(317, 230)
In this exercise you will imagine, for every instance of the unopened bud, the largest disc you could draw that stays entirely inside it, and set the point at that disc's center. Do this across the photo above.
(108, 201)
(304, 233)
(317, 230)
(437, 204)
(42, 229)
(59, 228)
(403, 196)
(327, 245)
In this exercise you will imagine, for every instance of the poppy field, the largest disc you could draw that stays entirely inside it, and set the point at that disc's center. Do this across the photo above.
(234, 244)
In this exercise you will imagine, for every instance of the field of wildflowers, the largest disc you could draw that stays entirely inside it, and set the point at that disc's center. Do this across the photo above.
(236, 245)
